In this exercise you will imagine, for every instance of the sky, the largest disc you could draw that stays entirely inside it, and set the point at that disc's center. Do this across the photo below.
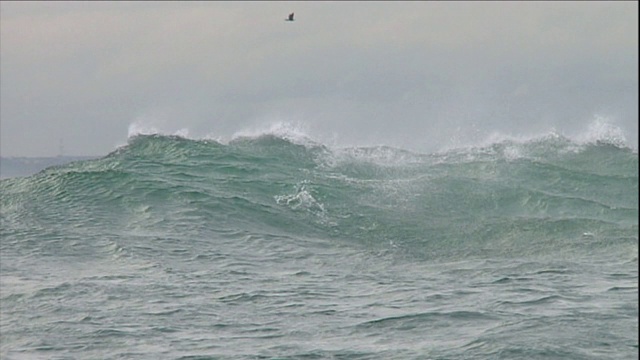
(79, 77)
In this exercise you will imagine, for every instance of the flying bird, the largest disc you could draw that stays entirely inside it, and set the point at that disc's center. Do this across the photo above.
(290, 18)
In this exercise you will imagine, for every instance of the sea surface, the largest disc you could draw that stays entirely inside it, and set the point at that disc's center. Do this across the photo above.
(277, 247)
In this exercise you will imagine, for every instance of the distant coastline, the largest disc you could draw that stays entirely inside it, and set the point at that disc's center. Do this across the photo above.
(16, 166)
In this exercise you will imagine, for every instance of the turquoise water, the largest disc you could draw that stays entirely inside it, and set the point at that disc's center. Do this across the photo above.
(271, 247)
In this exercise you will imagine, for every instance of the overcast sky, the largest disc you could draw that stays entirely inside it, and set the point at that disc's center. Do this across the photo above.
(418, 75)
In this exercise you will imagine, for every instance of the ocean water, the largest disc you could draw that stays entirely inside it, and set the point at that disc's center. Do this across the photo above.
(277, 247)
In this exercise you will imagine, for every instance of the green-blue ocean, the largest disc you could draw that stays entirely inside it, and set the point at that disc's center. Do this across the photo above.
(274, 247)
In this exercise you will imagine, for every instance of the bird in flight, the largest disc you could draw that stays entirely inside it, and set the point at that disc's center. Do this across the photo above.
(290, 18)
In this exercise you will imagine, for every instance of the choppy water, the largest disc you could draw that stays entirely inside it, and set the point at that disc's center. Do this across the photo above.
(268, 247)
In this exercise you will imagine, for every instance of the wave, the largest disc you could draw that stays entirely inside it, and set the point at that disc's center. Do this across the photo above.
(532, 196)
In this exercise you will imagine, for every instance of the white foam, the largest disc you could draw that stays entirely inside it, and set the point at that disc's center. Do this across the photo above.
(302, 199)
(599, 130)
(145, 125)
(138, 128)
(296, 132)
(602, 130)
(379, 155)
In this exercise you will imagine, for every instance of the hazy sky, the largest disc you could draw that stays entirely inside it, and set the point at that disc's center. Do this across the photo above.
(418, 75)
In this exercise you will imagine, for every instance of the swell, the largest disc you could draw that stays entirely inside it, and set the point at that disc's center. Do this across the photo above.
(512, 198)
